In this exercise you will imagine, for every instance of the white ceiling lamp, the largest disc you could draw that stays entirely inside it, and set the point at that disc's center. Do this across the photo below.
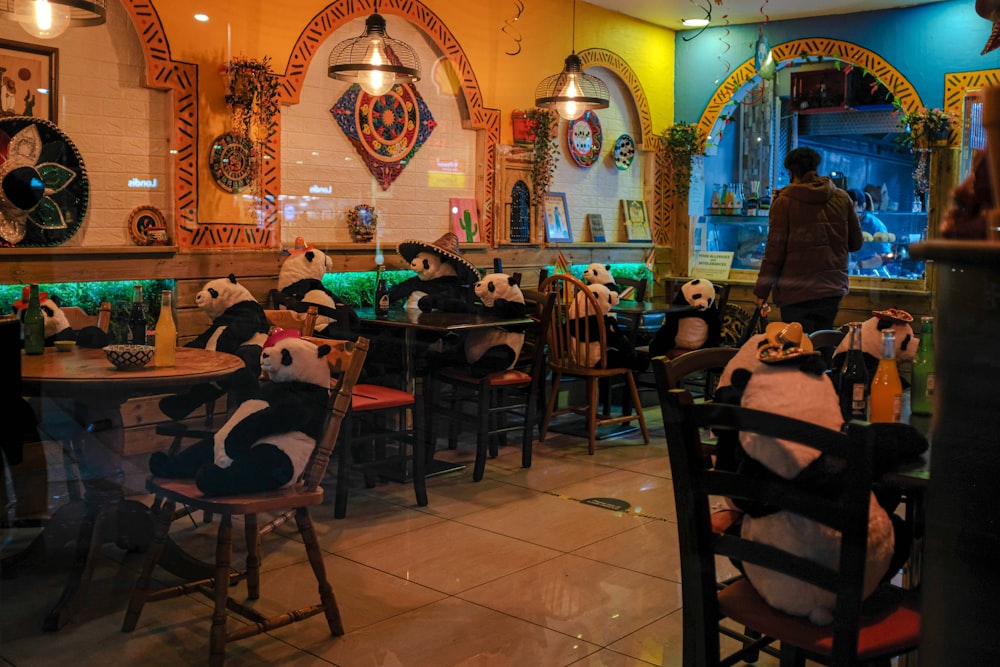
(374, 60)
(572, 92)
(46, 19)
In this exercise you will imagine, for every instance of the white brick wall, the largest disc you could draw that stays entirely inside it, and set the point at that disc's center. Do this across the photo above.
(118, 125)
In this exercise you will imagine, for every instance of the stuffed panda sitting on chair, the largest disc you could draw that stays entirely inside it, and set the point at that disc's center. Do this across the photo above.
(443, 279)
(692, 328)
(239, 326)
(268, 440)
(300, 285)
(621, 352)
(57, 327)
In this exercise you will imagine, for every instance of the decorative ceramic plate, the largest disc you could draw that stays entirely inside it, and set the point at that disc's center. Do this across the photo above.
(584, 139)
(44, 189)
(624, 152)
(147, 226)
(232, 162)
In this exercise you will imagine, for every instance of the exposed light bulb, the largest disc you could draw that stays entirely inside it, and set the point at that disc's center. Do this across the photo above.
(571, 108)
(376, 82)
(41, 18)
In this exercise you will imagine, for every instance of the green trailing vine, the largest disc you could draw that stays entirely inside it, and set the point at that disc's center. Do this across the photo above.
(682, 141)
(545, 149)
(251, 96)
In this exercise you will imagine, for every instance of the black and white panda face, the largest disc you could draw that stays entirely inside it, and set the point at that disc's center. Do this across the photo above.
(303, 265)
(498, 286)
(699, 293)
(296, 360)
(218, 295)
(598, 274)
(53, 316)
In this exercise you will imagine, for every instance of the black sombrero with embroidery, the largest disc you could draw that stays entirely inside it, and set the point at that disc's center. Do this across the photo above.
(445, 247)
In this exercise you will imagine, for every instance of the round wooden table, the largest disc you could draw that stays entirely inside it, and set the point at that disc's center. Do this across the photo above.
(86, 385)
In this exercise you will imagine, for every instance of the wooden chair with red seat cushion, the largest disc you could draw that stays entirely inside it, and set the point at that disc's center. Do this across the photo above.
(854, 637)
(496, 397)
(345, 360)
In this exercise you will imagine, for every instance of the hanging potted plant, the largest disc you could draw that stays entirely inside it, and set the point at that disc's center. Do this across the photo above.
(681, 142)
(544, 151)
(924, 129)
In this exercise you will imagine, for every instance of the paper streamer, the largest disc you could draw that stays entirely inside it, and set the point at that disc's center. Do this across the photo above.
(509, 30)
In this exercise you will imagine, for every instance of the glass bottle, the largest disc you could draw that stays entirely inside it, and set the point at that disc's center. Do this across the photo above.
(922, 381)
(136, 334)
(166, 333)
(381, 293)
(887, 389)
(34, 323)
(852, 385)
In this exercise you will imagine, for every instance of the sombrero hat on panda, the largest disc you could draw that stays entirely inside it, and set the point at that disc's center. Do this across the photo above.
(445, 247)
(783, 343)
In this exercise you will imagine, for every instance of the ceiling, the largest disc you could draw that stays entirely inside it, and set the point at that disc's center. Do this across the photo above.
(668, 13)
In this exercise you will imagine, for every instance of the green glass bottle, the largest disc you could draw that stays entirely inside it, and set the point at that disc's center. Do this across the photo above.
(922, 380)
(34, 323)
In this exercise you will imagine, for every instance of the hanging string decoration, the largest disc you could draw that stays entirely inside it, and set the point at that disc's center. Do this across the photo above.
(708, 18)
(724, 40)
(509, 29)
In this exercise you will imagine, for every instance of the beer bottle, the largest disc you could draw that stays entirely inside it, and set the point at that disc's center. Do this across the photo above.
(136, 334)
(887, 389)
(381, 294)
(166, 333)
(34, 323)
(922, 381)
(853, 383)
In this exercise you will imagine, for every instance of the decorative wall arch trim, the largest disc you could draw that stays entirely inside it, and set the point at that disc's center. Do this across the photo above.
(181, 80)
(722, 102)
(612, 61)
(958, 84)
(482, 119)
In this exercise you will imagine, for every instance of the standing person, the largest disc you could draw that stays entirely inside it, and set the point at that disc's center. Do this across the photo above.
(868, 260)
(812, 229)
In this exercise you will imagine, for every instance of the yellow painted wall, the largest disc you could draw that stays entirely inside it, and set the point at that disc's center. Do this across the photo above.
(255, 28)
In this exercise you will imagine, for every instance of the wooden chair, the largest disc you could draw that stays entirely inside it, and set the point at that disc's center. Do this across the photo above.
(708, 362)
(494, 397)
(852, 638)
(346, 360)
(78, 318)
(638, 292)
(304, 323)
(576, 352)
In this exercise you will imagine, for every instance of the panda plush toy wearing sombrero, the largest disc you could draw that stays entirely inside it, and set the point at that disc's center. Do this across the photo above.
(444, 279)
(899, 322)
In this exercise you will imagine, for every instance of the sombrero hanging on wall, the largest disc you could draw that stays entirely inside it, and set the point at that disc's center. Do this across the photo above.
(44, 190)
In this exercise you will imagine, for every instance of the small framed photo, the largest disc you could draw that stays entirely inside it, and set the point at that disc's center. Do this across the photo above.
(464, 219)
(28, 78)
(557, 227)
(596, 227)
(636, 221)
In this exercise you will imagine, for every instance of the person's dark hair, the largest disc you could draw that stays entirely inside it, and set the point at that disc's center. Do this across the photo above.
(801, 161)
(857, 196)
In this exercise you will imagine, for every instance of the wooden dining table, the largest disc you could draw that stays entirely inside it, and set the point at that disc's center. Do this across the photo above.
(84, 384)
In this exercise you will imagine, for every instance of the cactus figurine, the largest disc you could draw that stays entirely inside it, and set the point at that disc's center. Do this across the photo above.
(471, 229)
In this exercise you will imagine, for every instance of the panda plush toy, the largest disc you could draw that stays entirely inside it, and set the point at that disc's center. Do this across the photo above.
(57, 327)
(892, 319)
(621, 352)
(239, 326)
(779, 372)
(268, 440)
(600, 274)
(300, 285)
(444, 279)
(692, 328)
(496, 348)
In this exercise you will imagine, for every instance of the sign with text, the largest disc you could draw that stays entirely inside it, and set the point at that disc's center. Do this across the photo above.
(712, 265)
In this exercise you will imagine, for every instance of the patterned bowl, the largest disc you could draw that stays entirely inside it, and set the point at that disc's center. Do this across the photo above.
(129, 357)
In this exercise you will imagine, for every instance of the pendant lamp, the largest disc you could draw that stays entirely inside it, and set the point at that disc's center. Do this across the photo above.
(374, 60)
(46, 19)
(572, 92)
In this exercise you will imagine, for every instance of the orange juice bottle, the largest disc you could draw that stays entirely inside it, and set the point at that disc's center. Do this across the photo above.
(887, 389)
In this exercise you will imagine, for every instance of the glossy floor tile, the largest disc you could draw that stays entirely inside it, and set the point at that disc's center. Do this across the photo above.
(512, 571)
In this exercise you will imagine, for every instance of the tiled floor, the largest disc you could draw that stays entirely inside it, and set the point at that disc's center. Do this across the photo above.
(513, 570)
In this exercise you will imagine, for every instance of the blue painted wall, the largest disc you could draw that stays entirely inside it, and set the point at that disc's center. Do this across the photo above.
(923, 43)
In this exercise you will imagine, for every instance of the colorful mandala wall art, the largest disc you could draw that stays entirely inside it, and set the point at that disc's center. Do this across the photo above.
(386, 131)
(44, 190)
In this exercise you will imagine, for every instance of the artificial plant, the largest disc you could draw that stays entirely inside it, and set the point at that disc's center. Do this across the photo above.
(922, 129)
(544, 152)
(251, 96)
(681, 142)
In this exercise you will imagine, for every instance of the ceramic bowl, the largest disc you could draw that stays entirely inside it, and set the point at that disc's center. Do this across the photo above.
(129, 357)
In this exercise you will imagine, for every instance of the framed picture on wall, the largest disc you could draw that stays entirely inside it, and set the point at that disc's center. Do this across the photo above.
(464, 219)
(596, 227)
(636, 221)
(28, 78)
(557, 228)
